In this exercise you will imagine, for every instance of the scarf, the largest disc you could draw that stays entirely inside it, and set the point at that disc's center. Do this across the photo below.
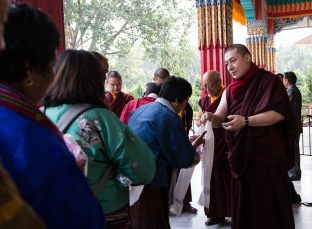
(16, 101)
(214, 98)
(240, 86)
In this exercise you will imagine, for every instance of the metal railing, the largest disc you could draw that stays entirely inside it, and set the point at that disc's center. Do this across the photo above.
(305, 137)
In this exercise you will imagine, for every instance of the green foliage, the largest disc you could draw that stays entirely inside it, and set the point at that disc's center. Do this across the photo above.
(137, 92)
(294, 58)
(112, 27)
(196, 94)
(306, 88)
(297, 58)
(137, 36)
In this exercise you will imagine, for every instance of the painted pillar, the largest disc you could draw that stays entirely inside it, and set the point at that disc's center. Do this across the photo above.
(55, 10)
(257, 42)
(214, 35)
(271, 54)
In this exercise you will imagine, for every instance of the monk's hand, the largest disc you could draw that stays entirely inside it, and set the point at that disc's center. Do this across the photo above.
(236, 122)
(206, 116)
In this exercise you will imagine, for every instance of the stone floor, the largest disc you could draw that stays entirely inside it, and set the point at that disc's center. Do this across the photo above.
(303, 214)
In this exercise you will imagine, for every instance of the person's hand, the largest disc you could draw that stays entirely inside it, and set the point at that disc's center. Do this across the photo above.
(206, 116)
(193, 138)
(199, 140)
(196, 160)
(236, 122)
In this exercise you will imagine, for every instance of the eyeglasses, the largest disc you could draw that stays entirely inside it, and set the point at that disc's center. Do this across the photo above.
(209, 86)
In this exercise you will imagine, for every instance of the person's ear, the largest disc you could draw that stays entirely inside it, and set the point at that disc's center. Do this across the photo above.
(29, 80)
(248, 57)
(176, 102)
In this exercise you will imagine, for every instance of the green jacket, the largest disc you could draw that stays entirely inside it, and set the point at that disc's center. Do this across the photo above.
(127, 152)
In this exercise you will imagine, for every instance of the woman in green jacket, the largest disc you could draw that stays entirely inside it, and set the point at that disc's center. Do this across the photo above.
(108, 143)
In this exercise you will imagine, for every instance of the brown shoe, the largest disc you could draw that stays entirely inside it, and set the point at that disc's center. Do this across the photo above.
(189, 209)
(215, 220)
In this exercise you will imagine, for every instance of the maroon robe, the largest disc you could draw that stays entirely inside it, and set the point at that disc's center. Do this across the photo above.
(220, 177)
(116, 105)
(259, 157)
(132, 106)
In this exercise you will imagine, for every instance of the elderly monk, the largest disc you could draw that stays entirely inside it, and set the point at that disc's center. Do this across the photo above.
(220, 177)
(260, 130)
(115, 98)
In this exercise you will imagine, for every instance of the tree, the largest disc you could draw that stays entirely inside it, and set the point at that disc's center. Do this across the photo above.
(196, 95)
(294, 58)
(112, 27)
(137, 36)
(306, 89)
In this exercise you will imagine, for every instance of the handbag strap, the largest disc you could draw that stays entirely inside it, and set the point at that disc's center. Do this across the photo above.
(96, 190)
(73, 112)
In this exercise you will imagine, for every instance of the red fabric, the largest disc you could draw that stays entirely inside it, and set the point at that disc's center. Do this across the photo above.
(240, 86)
(212, 58)
(116, 105)
(132, 106)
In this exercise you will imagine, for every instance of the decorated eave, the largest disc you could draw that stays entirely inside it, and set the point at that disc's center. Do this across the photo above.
(282, 13)
(288, 8)
(276, 14)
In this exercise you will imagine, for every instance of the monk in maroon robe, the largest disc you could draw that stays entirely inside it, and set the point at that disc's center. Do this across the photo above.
(150, 95)
(219, 206)
(115, 98)
(260, 131)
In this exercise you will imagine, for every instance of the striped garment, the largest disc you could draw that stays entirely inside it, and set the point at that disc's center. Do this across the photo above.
(152, 209)
(119, 219)
(14, 212)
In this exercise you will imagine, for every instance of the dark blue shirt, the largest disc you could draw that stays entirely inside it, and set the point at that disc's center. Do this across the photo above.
(162, 130)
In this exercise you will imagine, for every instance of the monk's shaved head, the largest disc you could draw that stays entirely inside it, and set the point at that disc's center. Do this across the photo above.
(212, 75)
(161, 75)
(212, 83)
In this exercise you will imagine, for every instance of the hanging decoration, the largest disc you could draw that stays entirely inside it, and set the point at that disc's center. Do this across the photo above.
(238, 12)
(214, 23)
(271, 53)
(257, 42)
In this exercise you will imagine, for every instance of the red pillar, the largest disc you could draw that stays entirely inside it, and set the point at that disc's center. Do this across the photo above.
(214, 36)
(55, 10)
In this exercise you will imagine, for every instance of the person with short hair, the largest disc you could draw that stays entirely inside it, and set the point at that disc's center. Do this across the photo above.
(220, 183)
(161, 75)
(295, 98)
(160, 127)
(33, 150)
(260, 129)
(150, 95)
(115, 97)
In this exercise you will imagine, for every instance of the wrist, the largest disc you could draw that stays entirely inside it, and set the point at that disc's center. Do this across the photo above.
(246, 121)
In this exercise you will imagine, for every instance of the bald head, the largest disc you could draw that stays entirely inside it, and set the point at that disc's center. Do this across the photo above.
(161, 75)
(212, 83)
